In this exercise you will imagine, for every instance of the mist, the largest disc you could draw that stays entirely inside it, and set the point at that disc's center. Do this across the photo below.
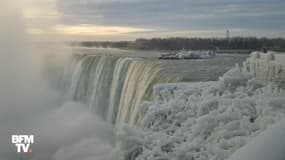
(63, 129)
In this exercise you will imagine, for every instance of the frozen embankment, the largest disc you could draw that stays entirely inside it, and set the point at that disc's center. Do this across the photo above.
(207, 121)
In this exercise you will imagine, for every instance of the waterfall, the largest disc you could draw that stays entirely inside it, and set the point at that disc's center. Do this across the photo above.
(113, 87)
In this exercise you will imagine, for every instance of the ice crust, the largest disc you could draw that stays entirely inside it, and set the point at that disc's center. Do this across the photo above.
(203, 120)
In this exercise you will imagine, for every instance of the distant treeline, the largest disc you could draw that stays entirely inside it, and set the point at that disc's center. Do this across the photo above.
(236, 43)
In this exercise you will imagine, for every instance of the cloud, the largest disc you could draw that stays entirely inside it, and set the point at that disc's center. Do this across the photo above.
(88, 16)
(97, 30)
(175, 15)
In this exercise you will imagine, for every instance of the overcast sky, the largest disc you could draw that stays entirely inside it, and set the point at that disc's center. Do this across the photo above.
(130, 19)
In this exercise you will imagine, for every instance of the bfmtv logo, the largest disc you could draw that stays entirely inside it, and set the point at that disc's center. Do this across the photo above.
(23, 142)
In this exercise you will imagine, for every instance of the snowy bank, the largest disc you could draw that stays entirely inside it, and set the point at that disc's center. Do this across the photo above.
(203, 121)
(269, 145)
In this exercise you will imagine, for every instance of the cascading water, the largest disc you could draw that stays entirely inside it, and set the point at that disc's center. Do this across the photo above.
(113, 87)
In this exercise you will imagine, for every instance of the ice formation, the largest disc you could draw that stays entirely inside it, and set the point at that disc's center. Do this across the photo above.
(195, 54)
(191, 54)
(203, 121)
(267, 66)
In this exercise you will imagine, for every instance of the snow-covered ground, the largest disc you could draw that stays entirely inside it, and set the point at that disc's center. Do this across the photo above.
(204, 121)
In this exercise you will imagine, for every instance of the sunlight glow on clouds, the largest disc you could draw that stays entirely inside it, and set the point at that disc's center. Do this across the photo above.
(98, 30)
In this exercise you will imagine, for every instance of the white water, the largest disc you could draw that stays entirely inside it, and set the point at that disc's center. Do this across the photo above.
(114, 87)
